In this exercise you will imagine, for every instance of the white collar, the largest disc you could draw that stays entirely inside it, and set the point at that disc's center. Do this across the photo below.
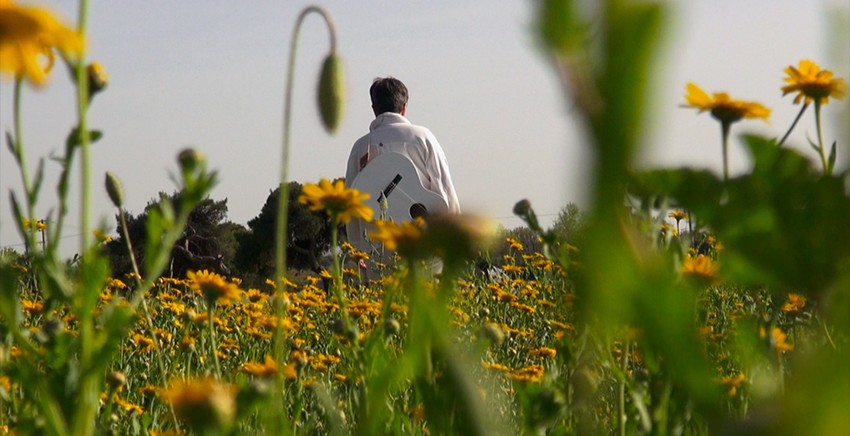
(388, 118)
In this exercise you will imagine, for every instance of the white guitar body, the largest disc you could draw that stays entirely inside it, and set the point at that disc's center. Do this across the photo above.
(393, 176)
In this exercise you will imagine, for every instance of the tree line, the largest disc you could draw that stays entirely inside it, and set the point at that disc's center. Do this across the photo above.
(211, 242)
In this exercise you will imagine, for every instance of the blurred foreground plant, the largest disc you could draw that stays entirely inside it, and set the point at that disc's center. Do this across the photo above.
(62, 371)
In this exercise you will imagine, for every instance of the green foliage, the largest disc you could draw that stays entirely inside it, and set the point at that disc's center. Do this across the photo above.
(571, 225)
(630, 333)
(307, 238)
(781, 224)
(208, 241)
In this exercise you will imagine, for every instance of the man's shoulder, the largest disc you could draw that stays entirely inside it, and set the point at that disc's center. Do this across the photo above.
(415, 130)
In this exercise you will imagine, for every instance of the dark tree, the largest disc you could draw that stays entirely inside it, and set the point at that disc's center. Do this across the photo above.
(207, 241)
(307, 235)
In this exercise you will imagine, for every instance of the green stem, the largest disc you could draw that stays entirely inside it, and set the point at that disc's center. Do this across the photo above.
(724, 132)
(794, 124)
(283, 199)
(213, 345)
(828, 336)
(337, 278)
(29, 232)
(85, 138)
(89, 382)
(139, 298)
(827, 168)
(621, 390)
(283, 194)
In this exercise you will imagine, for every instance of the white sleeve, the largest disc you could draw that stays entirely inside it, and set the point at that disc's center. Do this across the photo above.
(441, 179)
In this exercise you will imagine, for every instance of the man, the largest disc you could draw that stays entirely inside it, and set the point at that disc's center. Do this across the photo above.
(390, 131)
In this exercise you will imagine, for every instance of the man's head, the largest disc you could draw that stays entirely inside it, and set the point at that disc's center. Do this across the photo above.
(388, 95)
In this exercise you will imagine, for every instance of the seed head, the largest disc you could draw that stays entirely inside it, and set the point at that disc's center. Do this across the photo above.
(114, 189)
(331, 92)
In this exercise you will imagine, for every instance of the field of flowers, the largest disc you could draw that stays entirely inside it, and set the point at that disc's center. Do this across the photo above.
(737, 325)
(533, 363)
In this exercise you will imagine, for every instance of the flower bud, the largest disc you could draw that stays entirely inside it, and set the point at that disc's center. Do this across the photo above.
(391, 327)
(114, 189)
(459, 237)
(522, 207)
(189, 159)
(331, 92)
(493, 333)
(116, 379)
(98, 79)
(52, 328)
(206, 405)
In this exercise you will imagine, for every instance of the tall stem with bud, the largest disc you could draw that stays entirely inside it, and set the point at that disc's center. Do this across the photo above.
(331, 99)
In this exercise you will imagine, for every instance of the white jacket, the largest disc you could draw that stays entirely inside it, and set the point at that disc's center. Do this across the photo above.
(392, 132)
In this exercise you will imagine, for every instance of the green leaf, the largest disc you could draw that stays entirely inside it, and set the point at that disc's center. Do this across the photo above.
(94, 273)
(160, 219)
(784, 224)
(115, 322)
(10, 307)
(74, 139)
(559, 25)
(10, 142)
(832, 156)
(813, 145)
(36, 182)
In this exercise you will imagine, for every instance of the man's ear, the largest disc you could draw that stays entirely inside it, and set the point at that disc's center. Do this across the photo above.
(403, 110)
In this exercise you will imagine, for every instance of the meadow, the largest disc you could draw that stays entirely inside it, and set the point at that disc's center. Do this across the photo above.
(709, 304)
(529, 360)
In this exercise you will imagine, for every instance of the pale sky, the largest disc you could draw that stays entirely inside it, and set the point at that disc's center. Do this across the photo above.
(210, 74)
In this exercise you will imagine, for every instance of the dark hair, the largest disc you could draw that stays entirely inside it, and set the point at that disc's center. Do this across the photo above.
(388, 95)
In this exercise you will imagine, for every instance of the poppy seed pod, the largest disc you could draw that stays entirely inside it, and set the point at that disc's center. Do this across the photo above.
(522, 207)
(331, 92)
(114, 189)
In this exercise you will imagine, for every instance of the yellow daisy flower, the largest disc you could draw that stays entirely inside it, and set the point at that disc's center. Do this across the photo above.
(677, 215)
(204, 404)
(794, 304)
(700, 266)
(813, 84)
(34, 224)
(265, 369)
(733, 383)
(101, 236)
(779, 340)
(542, 352)
(722, 107)
(29, 33)
(213, 286)
(403, 237)
(341, 203)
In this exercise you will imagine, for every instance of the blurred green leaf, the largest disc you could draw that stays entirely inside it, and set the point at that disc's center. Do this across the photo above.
(831, 161)
(784, 224)
(10, 307)
(94, 272)
(559, 26)
(74, 139)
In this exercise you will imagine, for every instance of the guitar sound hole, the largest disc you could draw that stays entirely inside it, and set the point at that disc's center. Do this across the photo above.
(418, 210)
